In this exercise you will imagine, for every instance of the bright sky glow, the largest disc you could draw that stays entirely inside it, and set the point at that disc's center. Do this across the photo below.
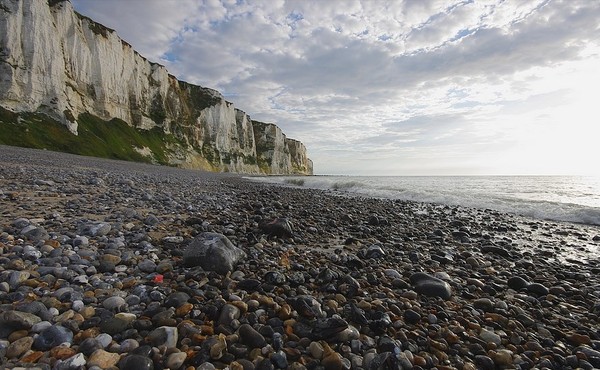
(413, 87)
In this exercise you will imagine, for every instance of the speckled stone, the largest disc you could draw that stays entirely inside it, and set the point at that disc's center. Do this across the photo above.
(19, 347)
(103, 359)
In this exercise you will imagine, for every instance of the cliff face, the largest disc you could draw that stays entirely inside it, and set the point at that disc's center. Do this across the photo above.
(59, 63)
(278, 155)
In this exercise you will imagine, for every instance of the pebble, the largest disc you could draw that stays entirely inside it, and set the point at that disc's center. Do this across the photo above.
(316, 350)
(136, 362)
(114, 303)
(537, 289)
(113, 325)
(411, 316)
(430, 286)
(103, 359)
(490, 337)
(250, 337)
(212, 252)
(100, 277)
(89, 346)
(175, 360)
(503, 357)
(19, 347)
(74, 362)
(52, 337)
(484, 304)
(147, 266)
(517, 283)
(164, 336)
(19, 320)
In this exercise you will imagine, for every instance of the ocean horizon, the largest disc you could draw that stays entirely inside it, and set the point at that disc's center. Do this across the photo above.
(546, 197)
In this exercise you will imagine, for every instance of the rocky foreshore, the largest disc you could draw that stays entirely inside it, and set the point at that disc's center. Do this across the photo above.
(117, 265)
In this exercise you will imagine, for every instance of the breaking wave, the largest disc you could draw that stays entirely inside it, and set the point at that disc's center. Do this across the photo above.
(559, 198)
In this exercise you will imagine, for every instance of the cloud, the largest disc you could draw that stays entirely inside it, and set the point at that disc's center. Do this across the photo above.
(354, 76)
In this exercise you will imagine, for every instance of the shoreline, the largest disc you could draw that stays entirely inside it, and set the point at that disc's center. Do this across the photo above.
(523, 292)
(542, 203)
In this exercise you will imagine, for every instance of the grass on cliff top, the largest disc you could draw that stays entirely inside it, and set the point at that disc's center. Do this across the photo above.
(113, 139)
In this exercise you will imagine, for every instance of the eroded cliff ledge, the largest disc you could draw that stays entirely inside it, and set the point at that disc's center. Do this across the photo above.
(62, 71)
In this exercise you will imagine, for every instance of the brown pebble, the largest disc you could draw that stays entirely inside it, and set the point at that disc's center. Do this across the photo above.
(236, 366)
(412, 295)
(469, 366)
(255, 354)
(285, 311)
(364, 305)
(129, 282)
(67, 315)
(32, 357)
(19, 347)
(241, 305)
(111, 258)
(579, 339)
(207, 330)
(218, 349)
(502, 357)
(103, 359)
(452, 338)
(184, 309)
(491, 346)
(292, 353)
(332, 304)
(331, 359)
(17, 334)
(87, 312)
(441, 356)
(494, 317)
(340, 298)
(534, 346)
(419, 361)
(53, 243)
(438, 345)
(62, 353)
(89, 294)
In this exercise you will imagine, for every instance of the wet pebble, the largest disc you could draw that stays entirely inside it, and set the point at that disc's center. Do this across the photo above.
(251, 337)
(430, 286)
(136, 362)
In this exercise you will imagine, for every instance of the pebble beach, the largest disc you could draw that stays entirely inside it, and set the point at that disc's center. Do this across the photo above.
(101, 267)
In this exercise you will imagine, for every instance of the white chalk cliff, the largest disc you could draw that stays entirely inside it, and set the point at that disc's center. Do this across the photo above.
(62, 64)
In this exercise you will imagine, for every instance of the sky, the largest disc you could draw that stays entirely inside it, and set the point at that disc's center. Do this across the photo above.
(375, 87)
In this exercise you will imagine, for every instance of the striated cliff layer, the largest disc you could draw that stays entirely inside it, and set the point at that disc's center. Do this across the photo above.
(65, 66)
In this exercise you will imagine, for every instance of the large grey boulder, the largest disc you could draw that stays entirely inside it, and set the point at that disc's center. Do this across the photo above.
(430, 285)
(212, 252)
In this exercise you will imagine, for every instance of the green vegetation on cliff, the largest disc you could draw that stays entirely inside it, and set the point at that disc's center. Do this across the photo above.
(98, 138)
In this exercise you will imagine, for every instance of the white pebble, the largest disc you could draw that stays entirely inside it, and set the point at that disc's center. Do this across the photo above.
(77, 305)
(104, 339)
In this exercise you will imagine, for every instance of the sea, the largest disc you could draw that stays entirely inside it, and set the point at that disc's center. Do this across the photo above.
(558, 198)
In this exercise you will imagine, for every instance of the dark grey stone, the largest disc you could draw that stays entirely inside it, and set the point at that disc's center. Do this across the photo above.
(430, 286)
(212, 252)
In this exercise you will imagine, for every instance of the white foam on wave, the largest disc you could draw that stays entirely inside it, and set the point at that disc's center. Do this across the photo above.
(570, 199)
